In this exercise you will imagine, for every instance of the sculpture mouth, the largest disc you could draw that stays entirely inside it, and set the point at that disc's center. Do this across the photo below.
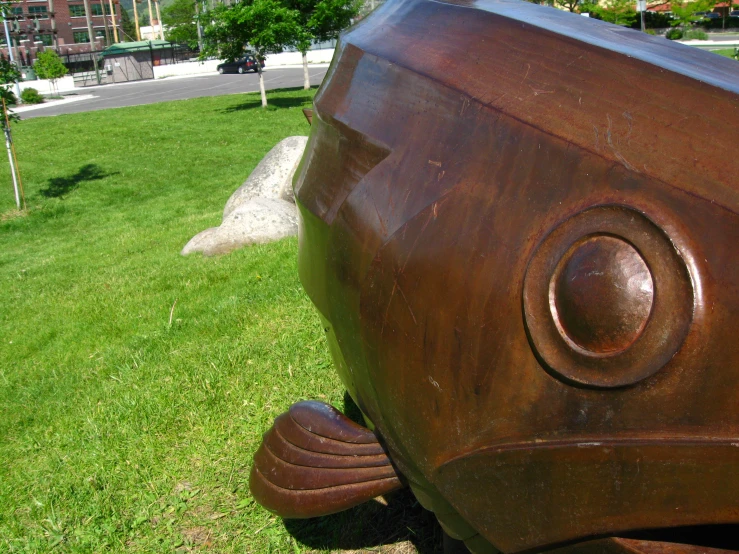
(615, 485)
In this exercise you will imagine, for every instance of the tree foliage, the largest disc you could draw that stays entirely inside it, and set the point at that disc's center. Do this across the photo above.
(180, 22)
(618, 12)
(265, 25)
(9, 75)
(128, 25)
(322, 20)
(48, 65)
(682, 12)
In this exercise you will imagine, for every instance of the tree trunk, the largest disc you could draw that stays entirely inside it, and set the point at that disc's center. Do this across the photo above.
(306, 76)
(261, 88)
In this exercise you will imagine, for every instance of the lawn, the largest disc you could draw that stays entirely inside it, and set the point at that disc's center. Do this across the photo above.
(135, 383)
(727, 52)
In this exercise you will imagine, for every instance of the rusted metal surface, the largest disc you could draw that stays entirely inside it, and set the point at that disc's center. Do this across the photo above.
(520, 228)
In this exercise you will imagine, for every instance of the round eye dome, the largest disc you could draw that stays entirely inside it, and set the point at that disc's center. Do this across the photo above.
(601, 295)
(607, 298)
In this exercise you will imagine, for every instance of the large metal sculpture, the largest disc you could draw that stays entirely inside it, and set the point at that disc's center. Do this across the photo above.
(520, 228)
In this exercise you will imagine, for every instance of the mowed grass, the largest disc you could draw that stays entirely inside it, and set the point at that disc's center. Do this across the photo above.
(135, 383)
(726, 52)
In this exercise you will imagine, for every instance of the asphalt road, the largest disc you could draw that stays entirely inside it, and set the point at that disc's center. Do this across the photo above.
(162, 90)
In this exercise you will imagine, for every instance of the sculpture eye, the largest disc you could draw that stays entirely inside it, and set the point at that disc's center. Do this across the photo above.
(601, 295)
(607, 299)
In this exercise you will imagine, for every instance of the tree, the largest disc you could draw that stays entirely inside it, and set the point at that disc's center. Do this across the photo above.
(128, 26)
(568, 4)
(179, 18)
(49, 66)
(321, 20)
(618, 12)
(265, 25)
(682, 12)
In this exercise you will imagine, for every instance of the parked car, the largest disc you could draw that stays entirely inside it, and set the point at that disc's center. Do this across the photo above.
(242, 65)
(734, 13)
(713, 15)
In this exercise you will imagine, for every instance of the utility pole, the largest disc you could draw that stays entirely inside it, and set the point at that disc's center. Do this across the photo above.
(92, 40)
(52, 15)
(151, 20)
(136, 17)
(159, 17)
(108, 38)
(112, 20)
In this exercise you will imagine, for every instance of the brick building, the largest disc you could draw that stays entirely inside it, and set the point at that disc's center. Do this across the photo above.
(59, 24)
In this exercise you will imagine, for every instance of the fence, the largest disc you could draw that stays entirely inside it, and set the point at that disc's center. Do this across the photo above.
(84, 62)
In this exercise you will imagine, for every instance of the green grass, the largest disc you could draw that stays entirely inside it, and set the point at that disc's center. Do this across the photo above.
(135, 383)
(727, 52)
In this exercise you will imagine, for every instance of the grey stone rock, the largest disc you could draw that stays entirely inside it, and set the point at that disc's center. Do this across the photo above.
(272, 178)
(255, 220)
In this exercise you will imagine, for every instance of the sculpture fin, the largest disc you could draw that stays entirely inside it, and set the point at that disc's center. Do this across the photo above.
(315, 461)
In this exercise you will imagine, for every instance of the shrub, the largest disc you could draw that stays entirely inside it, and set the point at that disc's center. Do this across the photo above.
(674, 34)
(696, 34)
(651, 32)
(31, 96)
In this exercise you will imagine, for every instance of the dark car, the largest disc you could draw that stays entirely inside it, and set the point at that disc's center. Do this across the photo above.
(242, 65)
(734, 13)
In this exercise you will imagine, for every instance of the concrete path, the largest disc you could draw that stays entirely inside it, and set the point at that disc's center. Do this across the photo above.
(176, 88)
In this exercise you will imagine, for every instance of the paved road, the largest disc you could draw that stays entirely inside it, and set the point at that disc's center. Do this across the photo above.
(162, 90)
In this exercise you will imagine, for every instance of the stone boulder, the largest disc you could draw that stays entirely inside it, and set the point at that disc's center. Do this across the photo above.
(273, 176)
(256, 220)
(262, 209)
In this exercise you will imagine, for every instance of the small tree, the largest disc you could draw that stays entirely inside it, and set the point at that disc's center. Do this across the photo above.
(321, 20)
(49, 66)
(265, 25)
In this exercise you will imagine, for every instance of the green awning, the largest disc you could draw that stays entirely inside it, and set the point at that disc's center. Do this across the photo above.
(138, 46)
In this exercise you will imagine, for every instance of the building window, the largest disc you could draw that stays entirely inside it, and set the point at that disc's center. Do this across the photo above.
(17, 12)
(97, 9)
(38, 12)
(81, 37)
(77, 10)
(46, 40)
(100, 33)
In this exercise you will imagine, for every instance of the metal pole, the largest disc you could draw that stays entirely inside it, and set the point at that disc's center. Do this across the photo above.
(6, 129)
(12, 58)
(136, 17)
(15, 159)
(91, 36)
(642, 21)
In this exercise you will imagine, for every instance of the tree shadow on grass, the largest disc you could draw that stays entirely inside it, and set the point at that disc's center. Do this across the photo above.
(399, 525)
(255, 101)
(57, 187)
